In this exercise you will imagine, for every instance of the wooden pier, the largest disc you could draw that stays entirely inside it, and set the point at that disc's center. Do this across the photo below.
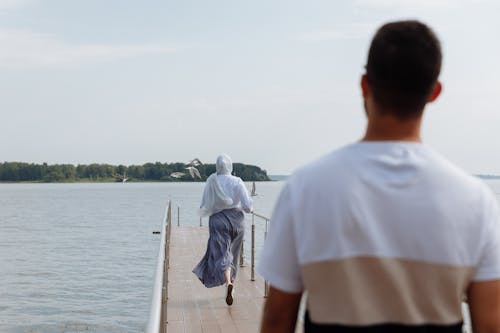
(193, 308)
(181, 303)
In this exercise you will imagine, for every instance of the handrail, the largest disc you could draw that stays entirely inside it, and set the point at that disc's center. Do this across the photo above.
(261, 216)
(252, 272)
(157, 313)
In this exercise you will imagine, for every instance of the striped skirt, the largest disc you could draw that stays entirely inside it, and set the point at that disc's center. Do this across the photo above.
(223, 249)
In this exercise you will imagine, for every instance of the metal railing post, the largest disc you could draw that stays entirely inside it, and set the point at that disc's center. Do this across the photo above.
(178, 216)
(200, 222)
(253, 249)
(242, 260)
(266, 285)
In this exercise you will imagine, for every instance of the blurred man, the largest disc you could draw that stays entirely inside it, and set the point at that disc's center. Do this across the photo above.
(386, 235)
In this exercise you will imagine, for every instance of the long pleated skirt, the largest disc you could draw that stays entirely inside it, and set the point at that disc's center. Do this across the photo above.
(223, 249)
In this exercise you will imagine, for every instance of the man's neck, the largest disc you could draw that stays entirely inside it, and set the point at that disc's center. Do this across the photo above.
(389, 128)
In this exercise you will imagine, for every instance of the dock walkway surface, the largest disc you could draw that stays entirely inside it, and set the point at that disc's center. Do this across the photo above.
(193, 308)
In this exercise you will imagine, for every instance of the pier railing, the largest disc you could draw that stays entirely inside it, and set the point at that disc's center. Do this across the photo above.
(158, 311)
(252, 256)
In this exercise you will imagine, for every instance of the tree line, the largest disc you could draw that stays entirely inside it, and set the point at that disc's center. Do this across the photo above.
(31, 172)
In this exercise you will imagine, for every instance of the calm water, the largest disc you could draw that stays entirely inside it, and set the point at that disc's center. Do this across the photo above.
(81, 257)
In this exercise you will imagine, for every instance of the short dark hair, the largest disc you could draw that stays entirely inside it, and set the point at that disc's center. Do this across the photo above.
(404, 62)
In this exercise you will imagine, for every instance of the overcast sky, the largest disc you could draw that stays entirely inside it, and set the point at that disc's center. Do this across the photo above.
(271, 83)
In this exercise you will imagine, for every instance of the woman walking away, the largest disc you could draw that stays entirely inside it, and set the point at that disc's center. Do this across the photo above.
(224, 198)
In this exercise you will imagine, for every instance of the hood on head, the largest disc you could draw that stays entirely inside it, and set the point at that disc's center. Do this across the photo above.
(224, 165)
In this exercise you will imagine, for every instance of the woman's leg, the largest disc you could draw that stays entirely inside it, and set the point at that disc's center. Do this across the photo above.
(229, 286)
(236, 219)
(237, 240)
(211, 270)
(227, 276)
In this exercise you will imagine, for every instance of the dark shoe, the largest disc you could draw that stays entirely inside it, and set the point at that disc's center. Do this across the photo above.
(229, 294)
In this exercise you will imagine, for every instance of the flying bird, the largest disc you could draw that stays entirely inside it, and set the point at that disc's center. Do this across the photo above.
(194, 162)
(193, 172)
(177, 174)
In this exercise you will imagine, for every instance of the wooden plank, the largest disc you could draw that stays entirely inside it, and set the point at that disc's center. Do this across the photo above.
(193, 308)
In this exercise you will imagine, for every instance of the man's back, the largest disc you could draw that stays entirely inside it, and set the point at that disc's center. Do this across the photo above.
(384, 233)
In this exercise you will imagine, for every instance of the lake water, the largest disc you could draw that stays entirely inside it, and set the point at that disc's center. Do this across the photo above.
(81, 257)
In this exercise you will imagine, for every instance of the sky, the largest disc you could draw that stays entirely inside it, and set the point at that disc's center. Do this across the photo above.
(271, 83)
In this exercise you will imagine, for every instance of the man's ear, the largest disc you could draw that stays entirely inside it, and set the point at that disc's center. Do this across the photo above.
(436, 91)
(365, 87)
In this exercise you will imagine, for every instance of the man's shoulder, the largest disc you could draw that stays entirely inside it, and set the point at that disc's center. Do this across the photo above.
(327, 169)
(338, 158)
(347, 163)
(452, 172)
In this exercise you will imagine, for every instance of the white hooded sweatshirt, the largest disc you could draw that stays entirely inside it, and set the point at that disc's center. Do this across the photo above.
(224, 191)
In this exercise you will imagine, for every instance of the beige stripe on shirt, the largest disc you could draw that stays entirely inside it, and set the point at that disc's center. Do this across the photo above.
(371, 290)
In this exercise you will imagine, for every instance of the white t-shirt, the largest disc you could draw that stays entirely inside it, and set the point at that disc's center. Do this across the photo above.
(381, 232)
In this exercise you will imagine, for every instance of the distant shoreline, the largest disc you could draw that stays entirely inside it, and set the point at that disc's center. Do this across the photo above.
(278, 177)
(488, 176)
(15, 172)
(112, 181)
